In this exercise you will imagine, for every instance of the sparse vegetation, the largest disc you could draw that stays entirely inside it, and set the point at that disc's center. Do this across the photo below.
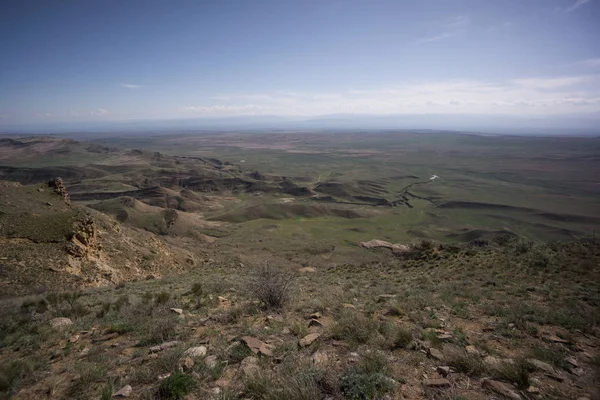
(272, 286)
(470, 293)
(176, 386)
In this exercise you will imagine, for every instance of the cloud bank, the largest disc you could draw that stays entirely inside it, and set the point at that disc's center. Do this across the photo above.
(534, 96)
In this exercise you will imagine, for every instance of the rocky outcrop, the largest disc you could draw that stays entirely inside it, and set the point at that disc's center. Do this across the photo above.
(85, 239)
(375, 243)
(58, 186)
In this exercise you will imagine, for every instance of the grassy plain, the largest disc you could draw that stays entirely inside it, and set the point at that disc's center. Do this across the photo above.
(543, 188)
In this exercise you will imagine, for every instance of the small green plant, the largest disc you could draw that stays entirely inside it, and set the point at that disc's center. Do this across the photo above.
(464, 362)
(354, 327)
(368, 380)
(162, 297)
(516, 372)
(107, 392)
(176, 386)
(257, 386)
(395, 337)
(120, 328)
(238, 352)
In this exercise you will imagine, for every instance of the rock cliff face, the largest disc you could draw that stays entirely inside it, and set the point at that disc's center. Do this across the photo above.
(58, 185)
(84, 241)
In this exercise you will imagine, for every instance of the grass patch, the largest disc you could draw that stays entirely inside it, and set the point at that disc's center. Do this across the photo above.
(176, 386)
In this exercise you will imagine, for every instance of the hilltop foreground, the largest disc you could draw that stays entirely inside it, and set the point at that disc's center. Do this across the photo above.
(144, 275)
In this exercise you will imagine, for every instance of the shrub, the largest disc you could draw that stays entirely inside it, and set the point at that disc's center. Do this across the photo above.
(272, 286)
(238, 352)
(368, 380)
(11, 373)
(257, 386)
(176, 386)
(354, 326)
(396, 337)
(120, 328)
(470, 364)
(162, 297)
(516, 372)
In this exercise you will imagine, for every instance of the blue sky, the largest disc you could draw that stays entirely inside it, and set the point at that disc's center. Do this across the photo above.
(72, 61)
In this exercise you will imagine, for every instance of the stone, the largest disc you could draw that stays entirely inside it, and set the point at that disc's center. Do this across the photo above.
(315, 322)
(125, 391)
(500, 388)
(225, 380)
(435, 354)
(74, 338)
(308, 339)
(104, 338)
(60, 322)
(572, 361)
(315, 315)
(444, 371)
(497, 363)
(258, 346)
(533, 390)
(211, 361)
(161, 347)
(445, 337)
(554, 338)
(196, 352)
(177, 311)
(307, 269)
(436, 383)
(375, 243)
(472, 350)
(275, 318)
(249, 366)
(348, 305)
(542, 366)
(188, 363)
(319, 358)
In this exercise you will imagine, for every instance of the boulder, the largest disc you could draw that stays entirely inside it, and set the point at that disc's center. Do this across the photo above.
(196, 352)
(125, 391)
(437, 383)
(308, 339)
(375, 243)
(319, 358)
(258, 346)
(249, 366)
(163, 346)
(435, 354)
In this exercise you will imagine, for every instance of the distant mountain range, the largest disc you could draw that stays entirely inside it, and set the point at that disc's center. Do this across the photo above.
(583, 125)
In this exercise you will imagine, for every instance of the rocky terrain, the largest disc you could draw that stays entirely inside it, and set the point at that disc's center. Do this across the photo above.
(129, 278)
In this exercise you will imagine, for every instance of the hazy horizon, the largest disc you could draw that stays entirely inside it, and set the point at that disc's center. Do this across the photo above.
(506, 66)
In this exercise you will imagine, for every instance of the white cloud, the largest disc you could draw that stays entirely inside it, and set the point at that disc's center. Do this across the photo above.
(441, 36)
(450, 26)
(100, 112)
(456, 22)
(245, 109)
(130, 86)
(527, 96)
(577, 4)
(553, 83)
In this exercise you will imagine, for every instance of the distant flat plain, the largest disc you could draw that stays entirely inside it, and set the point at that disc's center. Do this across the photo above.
(545, 188)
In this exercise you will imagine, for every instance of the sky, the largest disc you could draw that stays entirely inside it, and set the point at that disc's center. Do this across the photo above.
(72, 61)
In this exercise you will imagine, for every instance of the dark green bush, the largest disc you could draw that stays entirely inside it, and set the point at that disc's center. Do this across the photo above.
(176, 386)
